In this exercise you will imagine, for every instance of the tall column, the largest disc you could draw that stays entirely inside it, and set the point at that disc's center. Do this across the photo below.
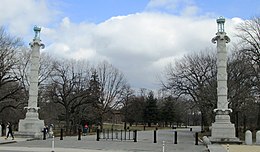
(32, 109)
(32, 126)
(222, 130)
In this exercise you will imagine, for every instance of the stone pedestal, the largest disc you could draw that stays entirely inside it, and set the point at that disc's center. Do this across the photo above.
(31, 126)
(223, 131)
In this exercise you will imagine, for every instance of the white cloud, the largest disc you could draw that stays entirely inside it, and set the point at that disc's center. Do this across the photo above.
(20, 15)
(140, 45)
(190, 10)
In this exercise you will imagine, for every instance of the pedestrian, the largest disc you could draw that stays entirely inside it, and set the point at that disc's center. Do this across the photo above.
(47, 131)
(10, 131)
(85, 130)
(51, 130)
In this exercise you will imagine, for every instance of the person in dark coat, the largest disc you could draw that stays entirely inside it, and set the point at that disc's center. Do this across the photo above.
(10, 131)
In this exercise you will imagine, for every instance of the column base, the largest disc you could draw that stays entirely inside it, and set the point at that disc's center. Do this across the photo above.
(30, 127)
(223, 131)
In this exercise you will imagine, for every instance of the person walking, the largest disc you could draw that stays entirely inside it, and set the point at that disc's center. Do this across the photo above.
(85, 130)
(10, 131)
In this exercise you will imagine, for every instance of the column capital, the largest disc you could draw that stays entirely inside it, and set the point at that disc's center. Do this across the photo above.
(220, 36)
(37, 42)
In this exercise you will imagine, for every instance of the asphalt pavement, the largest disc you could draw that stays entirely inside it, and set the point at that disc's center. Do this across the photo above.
(165, 142)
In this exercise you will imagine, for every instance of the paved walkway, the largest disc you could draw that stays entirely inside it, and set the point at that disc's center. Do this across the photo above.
(145, 143)
(186, 143)
(234, 148)
(242, 148)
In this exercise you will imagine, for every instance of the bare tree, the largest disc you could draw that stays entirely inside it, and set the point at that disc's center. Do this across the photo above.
(9, 83)
(112, 84)
(194, 78)
(240, 89)
(68, 88)
(127, 98)
(249, 33)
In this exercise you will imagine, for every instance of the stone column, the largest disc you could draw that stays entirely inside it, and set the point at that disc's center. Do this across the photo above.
(222, 130)
(32, 126)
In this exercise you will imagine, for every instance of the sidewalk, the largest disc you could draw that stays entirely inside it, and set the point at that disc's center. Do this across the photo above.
(242, 148)
(234, 148)
(9, 140)
(145, 142)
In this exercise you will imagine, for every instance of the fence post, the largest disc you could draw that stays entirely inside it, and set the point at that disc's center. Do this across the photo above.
(97, 134)
(196, 138)
(175, 137)
(61, 134)
(44, 133)
(154, 137)
(79, 134)
(135, 135)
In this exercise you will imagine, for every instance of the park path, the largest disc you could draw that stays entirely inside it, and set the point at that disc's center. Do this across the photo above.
(145, 143)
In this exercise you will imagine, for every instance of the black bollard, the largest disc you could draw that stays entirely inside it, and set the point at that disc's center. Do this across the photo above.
(44, 133)
(144, 127)
(79, 134)
(61, 134)
(97, 134)
(154, 137)
(196, 138)
(135, 135)
(190, 129)
(175, 137)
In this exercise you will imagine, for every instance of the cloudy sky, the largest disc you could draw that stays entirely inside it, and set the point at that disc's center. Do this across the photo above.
(139, 37)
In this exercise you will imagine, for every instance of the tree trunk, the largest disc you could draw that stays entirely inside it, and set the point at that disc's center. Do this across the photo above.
(67, 122)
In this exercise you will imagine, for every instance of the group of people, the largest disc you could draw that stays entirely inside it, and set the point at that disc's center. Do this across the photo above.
(47, 129)
(9, 130)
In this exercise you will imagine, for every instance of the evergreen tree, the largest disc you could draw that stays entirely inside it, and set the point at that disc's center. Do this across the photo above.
(168, 111)
(151, 110)
(94, 97)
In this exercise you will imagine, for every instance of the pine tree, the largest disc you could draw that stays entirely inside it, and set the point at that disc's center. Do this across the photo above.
(151, 110)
